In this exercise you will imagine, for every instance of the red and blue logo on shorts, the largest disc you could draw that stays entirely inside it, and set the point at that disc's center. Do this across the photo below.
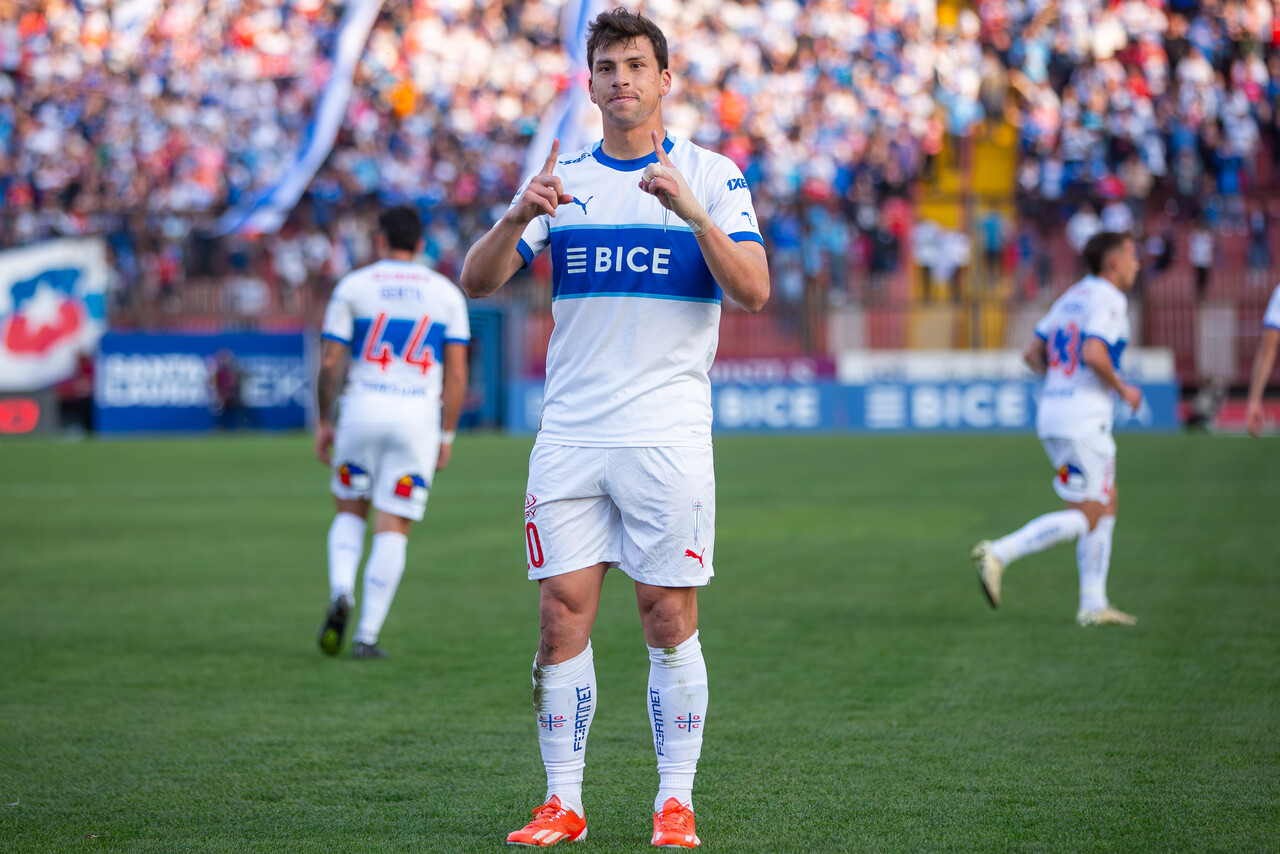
(352, 476)
(1071, 476)
(411, 486)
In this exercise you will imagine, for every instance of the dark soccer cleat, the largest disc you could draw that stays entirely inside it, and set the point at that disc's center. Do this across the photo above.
(368, 650)
(335, 625)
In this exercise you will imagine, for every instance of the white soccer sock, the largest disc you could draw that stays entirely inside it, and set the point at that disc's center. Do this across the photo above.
(381, 578)
(677, 716)
(1093, 555)
(1041, 533)
(346, 543)
(564, 696)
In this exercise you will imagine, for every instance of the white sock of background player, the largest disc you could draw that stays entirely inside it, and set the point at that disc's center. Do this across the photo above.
(346, 544)
(1093, 555)
(382, 574)
(1039, 534)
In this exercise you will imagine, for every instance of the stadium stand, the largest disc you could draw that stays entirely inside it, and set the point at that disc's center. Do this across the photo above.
(922, 170)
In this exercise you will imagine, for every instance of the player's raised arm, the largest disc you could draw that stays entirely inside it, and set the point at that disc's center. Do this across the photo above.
(494, 258)
(741, 269)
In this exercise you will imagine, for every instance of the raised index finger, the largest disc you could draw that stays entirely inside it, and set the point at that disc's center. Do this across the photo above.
(550, 165)
(657, 149)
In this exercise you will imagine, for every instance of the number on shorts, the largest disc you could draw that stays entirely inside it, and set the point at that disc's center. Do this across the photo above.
(534, 544)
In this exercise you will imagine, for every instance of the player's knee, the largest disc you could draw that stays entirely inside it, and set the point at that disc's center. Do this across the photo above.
(668, 622)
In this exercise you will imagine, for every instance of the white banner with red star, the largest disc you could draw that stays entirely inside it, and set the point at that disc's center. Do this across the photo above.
(53, 301)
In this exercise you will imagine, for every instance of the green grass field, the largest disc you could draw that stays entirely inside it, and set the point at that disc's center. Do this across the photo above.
(162, 690)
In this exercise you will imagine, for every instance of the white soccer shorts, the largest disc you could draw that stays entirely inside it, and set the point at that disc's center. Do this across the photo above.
(1085, 469)
(387, 463)
(649, 511)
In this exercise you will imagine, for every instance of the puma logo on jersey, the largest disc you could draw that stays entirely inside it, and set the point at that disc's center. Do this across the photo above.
(582, 204)
(749, 219)
(698, 557)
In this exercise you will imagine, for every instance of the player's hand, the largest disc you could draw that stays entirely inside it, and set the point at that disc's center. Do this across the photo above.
(446, 451)
(1131, 395)
(665, 183)
(1254, 419)
(324, 442)
(543, 195)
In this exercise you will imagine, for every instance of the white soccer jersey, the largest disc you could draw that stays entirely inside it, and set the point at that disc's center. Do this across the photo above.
(1271, 319)
(1074, 402)
(396, 316)
(636, 309)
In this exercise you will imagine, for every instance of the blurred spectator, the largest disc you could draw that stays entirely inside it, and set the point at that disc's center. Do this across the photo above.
(1200, 251)
(227, 402)
(144, 121)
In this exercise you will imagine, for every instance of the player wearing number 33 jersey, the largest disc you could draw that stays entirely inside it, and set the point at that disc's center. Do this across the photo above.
(1077, 347)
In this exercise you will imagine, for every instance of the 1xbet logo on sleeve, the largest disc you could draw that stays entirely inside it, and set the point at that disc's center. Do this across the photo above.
(737, 184)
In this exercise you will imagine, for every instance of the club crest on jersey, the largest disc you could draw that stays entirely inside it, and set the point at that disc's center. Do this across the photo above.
(411, 486)
(1071, 476)
(352, 476)
(530, 505)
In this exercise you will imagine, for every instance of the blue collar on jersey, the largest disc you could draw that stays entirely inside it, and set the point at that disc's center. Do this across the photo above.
(630, 165)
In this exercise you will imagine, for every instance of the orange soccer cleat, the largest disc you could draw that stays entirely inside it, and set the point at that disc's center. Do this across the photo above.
(673, 827)
(551, 823)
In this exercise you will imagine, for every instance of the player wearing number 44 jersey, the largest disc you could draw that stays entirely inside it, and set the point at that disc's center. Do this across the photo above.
(398, 332)
(644, 231)
(1077, 348)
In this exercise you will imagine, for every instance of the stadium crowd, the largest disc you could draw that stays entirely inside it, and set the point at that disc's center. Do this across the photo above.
(146, 120)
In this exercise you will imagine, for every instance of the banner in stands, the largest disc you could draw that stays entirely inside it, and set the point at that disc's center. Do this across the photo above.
(52, 308)
(167, 383)
(900, 392)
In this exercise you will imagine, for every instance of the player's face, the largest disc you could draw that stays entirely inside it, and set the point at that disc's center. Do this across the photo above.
(1125, 265)
(626, 83)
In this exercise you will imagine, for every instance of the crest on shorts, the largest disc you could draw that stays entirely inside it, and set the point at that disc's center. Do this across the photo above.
(411, 486)
(352, 476)
(1071, 476)
(697, 518)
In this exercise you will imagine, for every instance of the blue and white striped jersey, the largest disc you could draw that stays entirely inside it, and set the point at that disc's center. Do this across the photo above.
(636, 309)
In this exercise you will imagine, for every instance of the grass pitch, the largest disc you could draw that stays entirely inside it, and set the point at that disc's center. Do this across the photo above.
(162, 690)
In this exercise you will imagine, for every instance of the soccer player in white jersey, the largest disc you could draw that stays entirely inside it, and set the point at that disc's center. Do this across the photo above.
(1077, 347)
(395, 345)
(644, 231)
(1262, 364)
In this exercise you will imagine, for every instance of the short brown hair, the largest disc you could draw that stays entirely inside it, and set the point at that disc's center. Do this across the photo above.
(621, 25)
(1102, 245)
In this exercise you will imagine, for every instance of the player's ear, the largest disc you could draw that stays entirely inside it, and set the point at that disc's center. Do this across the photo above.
(591, 88)
(666, 81)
